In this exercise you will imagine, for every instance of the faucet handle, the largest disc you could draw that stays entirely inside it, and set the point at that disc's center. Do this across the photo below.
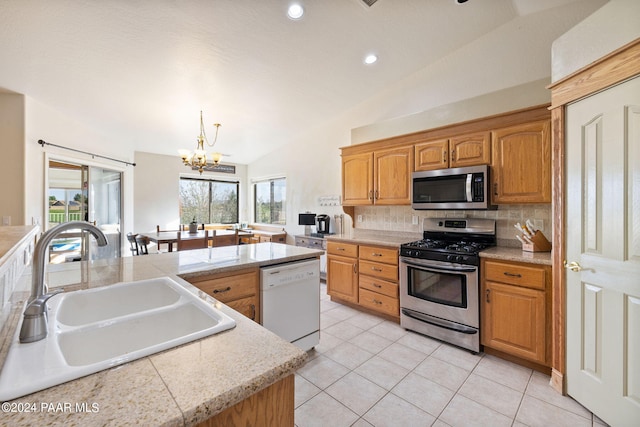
(37, 306)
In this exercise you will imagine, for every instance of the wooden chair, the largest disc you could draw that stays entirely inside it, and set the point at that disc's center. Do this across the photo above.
(132, 242)
(197, 243)
(142, 242)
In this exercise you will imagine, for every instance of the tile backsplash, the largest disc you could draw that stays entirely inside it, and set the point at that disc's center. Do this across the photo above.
(403, 219)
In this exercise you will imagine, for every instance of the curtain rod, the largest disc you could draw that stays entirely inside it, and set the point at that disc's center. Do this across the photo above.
(41, 142)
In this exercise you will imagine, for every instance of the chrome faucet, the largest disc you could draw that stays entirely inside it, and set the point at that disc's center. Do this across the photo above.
(34, 324)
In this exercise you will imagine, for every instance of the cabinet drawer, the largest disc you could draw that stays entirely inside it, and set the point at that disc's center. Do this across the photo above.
(376, 269)
(229, 288)
(381, 286)
(379, 302)
(310, 243)
(515, 274)
(372, 253)
(342, 249)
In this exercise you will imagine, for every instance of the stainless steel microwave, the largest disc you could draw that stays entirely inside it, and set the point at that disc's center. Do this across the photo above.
(453, 188)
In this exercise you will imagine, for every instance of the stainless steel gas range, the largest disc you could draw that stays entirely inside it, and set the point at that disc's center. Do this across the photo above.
(440, 279)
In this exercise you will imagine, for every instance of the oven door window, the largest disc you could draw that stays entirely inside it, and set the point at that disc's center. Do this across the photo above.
(438, 287)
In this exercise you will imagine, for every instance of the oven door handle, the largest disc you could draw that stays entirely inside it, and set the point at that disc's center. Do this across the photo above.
(436, 269)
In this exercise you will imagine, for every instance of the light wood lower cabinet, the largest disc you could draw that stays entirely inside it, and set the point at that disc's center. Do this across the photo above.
(367, 277)
(516, 309)
(239, 290)
(342, 271)
(271, 407)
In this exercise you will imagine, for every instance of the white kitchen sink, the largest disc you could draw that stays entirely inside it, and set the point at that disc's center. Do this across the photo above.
(94, 329)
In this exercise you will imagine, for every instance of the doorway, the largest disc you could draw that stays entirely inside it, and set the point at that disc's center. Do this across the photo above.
(603, 252)
(80, 192)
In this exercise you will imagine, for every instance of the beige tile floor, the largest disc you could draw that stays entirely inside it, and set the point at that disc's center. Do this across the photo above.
(367, 371)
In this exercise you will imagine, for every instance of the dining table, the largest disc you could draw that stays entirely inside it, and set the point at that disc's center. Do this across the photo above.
(171, 237)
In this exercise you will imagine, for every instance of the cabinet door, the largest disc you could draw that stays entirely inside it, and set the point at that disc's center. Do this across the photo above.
(514, 321)
(392, 176)
(470, 150)
(432, 155)
(249, 307)
(521, 160)
(342, 278)
(357, 179)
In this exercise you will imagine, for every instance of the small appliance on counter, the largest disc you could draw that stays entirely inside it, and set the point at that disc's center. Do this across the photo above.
(323, 227)
(307, 219)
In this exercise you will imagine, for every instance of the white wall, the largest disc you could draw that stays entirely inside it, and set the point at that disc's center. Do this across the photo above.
(156, 190)
(51, 125)
(612, 26)
(12, 203)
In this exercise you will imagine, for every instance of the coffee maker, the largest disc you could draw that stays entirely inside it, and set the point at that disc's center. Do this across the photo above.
(324, 222)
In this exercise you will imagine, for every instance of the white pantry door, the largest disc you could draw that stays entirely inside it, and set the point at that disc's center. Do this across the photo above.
(603, 240)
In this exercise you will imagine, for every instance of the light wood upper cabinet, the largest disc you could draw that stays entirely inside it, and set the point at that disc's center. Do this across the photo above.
(392, 176)
(470, 150)
(464, 150)
(382, 177)
(357, 179)
(432, 155)
(521, 164)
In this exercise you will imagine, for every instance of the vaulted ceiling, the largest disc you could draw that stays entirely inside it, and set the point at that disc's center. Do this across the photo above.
(141, 70)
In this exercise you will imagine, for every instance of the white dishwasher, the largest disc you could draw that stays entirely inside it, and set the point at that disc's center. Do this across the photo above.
(290, 297)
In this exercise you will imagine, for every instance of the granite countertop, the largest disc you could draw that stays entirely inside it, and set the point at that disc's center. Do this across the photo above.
(517, 254)
(372, 237)
(180, 386)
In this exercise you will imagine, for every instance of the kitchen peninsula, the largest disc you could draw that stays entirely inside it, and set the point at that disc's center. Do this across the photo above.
(223, 379)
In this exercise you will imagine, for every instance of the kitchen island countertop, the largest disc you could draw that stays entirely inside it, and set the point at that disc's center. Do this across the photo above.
(181, 386)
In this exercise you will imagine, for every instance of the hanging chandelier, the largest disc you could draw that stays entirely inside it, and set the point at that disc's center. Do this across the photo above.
(198, 159)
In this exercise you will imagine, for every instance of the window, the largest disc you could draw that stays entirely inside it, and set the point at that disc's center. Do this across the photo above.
(208, 201)
(270, 201)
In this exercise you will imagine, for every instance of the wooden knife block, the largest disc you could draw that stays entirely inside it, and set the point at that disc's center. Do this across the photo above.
(539, 243)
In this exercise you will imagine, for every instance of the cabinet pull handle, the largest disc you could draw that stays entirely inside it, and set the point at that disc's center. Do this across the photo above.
(370, 195)
(376, 194)
(376, 254)
(444, 156)
(506, 273)
(495, 188)
(355, 269)
(453, 156)
(377, 286)
(487, 295)
(219, 291)
(253, 312)
(339, 249)
(379, 270)
(375, 301)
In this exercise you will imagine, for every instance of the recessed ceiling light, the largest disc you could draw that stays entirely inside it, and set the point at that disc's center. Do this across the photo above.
(370, 59)
(295, 11)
